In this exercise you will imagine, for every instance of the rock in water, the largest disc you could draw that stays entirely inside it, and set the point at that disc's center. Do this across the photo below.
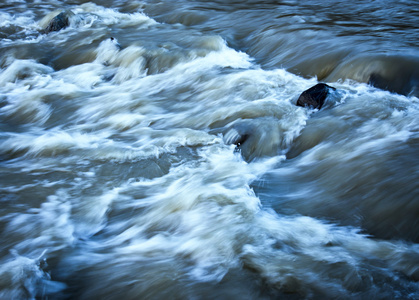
(255, 138)
(314, 97)
(59, 22)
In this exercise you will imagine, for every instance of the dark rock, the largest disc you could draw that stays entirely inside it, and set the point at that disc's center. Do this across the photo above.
(314, 97)
(59, 22)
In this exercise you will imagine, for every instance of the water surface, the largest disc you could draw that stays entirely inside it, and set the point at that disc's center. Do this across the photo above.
(120, 178)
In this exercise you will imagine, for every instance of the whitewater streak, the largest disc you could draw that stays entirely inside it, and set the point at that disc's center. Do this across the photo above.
(119, 179)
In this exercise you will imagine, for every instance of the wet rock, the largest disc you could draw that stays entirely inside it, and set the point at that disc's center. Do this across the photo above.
(59, 22)
(315, 96)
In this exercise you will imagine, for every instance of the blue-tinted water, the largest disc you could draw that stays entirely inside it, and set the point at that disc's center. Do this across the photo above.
(119, 179)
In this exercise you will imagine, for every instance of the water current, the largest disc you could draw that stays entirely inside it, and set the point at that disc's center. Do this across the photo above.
(120, 177)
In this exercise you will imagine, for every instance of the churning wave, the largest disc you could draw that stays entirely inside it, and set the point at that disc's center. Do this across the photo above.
(148, 153)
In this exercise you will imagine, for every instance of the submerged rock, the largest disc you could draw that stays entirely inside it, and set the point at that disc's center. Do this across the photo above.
(59, 22)
(255, 138)
(314, 97)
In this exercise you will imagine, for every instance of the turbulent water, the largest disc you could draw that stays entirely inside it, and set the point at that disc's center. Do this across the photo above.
(120, 174)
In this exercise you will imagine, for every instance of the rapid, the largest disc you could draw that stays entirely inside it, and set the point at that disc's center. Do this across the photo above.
(121, 177)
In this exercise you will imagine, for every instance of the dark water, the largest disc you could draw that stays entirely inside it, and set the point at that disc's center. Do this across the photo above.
(119, 179)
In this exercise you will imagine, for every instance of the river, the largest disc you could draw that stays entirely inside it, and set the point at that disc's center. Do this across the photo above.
(120, 173)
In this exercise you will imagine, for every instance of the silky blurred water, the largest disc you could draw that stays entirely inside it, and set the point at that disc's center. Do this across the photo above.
(120, 177)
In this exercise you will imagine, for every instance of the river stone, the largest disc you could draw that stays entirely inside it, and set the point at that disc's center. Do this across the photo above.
(59, 22)
(314, 97)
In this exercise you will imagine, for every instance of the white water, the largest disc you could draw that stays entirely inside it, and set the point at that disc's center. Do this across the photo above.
(118, 177)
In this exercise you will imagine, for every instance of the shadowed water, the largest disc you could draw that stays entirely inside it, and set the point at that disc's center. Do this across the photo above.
(154, 149)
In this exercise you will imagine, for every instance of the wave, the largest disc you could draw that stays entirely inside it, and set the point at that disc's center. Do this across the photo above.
(160, 153)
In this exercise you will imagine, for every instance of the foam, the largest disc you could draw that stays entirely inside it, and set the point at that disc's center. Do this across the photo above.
(111, 16)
